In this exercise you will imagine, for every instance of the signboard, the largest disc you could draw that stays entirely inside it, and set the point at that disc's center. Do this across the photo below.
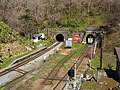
(90, 39)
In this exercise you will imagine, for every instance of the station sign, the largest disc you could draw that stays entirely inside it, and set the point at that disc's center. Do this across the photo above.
(90, 39)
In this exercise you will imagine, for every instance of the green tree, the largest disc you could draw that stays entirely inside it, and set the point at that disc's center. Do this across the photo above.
(29, 24)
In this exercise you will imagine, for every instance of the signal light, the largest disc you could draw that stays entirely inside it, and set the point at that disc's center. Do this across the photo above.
(71, 73)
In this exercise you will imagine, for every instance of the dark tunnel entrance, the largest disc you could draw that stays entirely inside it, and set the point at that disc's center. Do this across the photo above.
(60, 37)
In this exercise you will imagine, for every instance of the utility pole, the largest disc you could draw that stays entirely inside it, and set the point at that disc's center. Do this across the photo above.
(101, 58)
(101, 53)
(100, 42)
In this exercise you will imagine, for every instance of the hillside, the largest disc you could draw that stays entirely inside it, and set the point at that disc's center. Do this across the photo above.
(6, 34)
(112, 39)
(9, 40)
(26, 17)
(31, 16)
(22, 20)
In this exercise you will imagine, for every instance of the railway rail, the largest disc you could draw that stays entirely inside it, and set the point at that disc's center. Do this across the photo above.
(12, 68)
(57, 67)
(51, 76)
(27, 56)
(78, 62)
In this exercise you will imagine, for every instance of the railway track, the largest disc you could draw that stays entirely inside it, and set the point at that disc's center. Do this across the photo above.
(78, 62)
(27, 56)
(12, 68)
(57, 67)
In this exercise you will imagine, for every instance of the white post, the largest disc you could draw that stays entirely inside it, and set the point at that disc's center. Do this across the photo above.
(81, 78)
(97, 75)
(95, 46)
(91, 52)
(68, 82)
(75, 77)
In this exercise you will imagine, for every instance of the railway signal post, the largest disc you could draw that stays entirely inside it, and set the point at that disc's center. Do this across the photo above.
(71, 83)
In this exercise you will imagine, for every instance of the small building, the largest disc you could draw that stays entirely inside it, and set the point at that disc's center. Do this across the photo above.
(76, 38)
(68, 43)
(38, 37)
(42, 36)
(35, 38)
(117, 53)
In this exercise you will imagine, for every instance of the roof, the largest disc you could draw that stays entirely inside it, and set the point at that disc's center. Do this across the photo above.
(37, 35)
(117, 52)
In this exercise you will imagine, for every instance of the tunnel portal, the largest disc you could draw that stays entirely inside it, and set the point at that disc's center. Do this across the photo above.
(60, 37)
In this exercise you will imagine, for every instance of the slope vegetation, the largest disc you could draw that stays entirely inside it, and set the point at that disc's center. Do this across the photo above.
(6, 34)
